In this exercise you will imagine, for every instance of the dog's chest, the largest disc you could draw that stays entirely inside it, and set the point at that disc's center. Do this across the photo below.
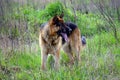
(54, 40)
(54, 44)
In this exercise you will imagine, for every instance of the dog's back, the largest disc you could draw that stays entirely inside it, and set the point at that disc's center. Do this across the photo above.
(73, 26)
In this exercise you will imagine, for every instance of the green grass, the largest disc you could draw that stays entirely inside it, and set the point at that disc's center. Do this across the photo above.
(99, 61)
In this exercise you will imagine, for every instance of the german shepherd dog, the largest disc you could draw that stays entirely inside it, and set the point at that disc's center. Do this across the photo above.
(57, 34)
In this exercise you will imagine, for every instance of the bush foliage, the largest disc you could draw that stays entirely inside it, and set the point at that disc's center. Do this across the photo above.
(100, 60)
(89, 24)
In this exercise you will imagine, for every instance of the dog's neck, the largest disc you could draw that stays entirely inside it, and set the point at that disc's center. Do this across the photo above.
(48, 34)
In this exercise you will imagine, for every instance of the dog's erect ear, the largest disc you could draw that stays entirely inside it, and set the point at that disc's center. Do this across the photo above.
(55, 19)
(62, 15)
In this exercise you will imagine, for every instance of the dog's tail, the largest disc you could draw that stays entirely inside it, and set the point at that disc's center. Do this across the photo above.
(83, 39)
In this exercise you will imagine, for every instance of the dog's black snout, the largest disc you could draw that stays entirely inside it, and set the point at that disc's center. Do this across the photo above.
(64, 30)
(69, 29)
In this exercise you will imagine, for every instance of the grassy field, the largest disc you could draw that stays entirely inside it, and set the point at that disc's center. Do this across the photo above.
(100, 60)
(20, 56)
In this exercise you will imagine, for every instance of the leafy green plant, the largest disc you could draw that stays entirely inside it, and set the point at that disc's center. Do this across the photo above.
(51, 10)
(90, 24)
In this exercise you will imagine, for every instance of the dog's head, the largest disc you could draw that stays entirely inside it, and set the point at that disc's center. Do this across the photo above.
(58, 26)
(55, 24)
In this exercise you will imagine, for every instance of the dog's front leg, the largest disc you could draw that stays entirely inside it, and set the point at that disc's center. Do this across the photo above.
(56, 58)
(43, 59)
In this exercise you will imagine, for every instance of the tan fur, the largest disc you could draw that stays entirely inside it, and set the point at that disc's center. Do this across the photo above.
(73, 47)
(51, 43)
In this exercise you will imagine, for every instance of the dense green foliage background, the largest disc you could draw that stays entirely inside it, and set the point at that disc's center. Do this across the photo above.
(100, 60)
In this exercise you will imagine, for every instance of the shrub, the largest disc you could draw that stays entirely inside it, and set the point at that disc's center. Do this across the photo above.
(53, 9)
(90, 24)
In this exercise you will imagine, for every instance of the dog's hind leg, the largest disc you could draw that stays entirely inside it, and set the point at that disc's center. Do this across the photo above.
(77, 47)
(75, 42)
(77, 55)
